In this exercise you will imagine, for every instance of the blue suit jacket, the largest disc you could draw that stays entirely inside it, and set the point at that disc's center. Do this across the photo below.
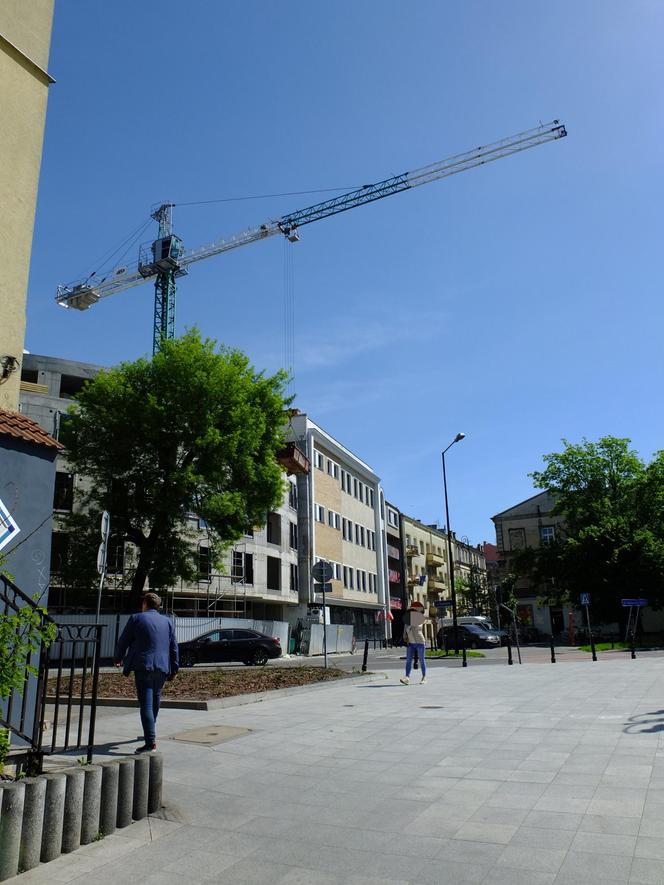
(148, 643)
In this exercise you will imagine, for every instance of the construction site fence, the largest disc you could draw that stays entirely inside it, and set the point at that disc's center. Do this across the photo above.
(185, 629)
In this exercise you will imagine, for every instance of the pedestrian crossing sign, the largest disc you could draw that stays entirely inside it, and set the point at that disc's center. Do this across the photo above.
(8, 526)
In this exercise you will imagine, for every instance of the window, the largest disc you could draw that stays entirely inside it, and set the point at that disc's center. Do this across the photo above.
(362, 544)
(337, 521)
(59, 551)
(292, 495)
(345, 576)
(31, 375)
(273, 528)
(63, 497)
(392, 517)
(293, 577)
(350, 578)
(242, 567)
(320, 513)
(336, 471)
(422, 547)
(355, 488)
(292, 532)
(273, 573)
(70, 385)
(357, 534)
(547, 534)
(337, 571)
(371, 497)
(319, 461)
(364, 582)
(204, 572)
(517, 539)
(330, 518)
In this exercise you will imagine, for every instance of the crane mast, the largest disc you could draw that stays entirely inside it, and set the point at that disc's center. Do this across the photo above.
(165, 259)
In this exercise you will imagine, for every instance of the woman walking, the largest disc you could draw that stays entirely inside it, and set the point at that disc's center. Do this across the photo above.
(413, 634)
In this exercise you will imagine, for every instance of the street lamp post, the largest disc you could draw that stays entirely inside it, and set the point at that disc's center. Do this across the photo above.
(450, 556)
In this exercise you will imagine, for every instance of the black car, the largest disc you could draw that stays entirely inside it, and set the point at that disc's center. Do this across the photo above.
(219, 646)
(475, 637)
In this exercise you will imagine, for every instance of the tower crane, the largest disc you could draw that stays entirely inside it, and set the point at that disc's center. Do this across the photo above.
(165, 259)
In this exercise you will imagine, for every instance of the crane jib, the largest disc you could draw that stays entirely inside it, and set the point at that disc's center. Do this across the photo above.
(84, 293)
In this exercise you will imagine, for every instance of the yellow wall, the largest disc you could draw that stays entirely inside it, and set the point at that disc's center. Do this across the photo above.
(25, 34)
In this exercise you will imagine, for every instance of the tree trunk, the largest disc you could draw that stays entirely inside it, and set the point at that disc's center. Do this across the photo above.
(138, 582)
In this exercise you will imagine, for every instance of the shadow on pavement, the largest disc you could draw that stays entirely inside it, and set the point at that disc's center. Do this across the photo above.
(640, 724)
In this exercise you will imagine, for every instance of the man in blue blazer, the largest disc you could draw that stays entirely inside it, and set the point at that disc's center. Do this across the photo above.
(149, 648)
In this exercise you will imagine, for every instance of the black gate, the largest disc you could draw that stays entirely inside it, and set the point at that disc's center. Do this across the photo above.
(54, 711)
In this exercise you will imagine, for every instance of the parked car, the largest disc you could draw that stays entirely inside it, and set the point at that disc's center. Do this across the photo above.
(474, 636)
(221, 646)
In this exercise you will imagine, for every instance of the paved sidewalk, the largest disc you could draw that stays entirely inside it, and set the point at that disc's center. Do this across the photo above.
(525, 775)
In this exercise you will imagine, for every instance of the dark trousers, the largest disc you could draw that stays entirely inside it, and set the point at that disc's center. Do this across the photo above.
(149, 684)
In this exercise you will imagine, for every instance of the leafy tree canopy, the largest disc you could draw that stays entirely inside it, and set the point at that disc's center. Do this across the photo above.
(612, 544)
(195, 429)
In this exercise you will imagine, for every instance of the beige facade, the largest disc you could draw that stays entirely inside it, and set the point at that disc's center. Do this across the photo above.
(428, 578)
(341, 522)
(25, 36)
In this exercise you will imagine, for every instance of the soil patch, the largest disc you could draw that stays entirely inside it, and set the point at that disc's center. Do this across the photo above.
(204, 685)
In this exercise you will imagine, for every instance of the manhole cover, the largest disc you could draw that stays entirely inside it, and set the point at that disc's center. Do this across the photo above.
(349, 705)
(211, 734)
(430, 707)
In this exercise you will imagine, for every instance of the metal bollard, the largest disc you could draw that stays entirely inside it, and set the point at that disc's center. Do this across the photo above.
(509, 651)
(592, 646)
(553, 650)
(366, 655)
(631, 644)
(463, 650)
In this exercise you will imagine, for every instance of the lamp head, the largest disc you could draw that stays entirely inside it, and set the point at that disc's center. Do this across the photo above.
(459, 437)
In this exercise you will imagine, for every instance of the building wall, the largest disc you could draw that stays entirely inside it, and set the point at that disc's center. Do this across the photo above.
(25, 34)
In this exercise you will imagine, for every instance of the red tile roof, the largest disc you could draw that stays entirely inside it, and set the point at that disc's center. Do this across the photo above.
(17, 425)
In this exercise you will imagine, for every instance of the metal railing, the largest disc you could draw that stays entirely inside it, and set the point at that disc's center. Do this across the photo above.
(48, 712)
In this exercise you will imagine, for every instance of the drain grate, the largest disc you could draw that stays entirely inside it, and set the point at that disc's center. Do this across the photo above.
(430, 707)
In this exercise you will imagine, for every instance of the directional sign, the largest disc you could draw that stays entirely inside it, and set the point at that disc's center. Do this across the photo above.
(442, 603)
(8, 526)
(322, 571)
(585, 599)
(628, 603)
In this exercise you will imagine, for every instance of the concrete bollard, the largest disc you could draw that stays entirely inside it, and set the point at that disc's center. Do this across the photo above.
(156, 779)
(11, 820)
(54, 810)
(141, 787)
(71, 827)
(108, 812)
(91, 804)
(33, 822)
(125, 791)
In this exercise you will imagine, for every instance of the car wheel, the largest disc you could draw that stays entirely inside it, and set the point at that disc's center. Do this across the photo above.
(259, 658)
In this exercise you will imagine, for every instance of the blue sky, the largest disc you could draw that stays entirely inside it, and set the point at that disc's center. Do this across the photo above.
(520, 303)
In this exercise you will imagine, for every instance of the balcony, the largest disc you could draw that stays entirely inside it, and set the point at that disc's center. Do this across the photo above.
(435, 560)
(436, 585)
(412, 550)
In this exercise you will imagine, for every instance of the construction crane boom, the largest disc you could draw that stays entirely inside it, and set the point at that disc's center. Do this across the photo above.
(164, 260)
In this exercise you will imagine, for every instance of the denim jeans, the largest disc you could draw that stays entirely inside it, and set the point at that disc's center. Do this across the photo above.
(410, 654)
(149, 684)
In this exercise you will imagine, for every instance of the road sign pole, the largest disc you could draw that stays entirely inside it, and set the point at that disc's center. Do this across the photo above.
(590, 634)
(324, 629)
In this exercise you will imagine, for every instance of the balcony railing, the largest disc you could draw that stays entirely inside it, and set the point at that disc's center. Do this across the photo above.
(436, 585)
(435, 559)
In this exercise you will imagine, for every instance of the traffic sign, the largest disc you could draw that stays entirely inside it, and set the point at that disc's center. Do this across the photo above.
(442, 603)
(628, 603)
(585, 599)
(322, 588)
(322, 572)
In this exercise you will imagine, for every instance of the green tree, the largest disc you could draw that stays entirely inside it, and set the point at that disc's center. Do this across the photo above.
(195, 429)
(612, 544)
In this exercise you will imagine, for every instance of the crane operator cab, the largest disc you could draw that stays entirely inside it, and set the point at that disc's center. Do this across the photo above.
(162, 255)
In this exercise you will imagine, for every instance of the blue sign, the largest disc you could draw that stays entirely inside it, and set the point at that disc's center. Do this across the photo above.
(585, 599)
(443, 603)
(627, 603)
(8, 526)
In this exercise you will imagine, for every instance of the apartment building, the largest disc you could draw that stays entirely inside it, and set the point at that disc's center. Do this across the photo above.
(531, 523)
(396, 568)
(340, 520)
(259, 575)
(428, 575)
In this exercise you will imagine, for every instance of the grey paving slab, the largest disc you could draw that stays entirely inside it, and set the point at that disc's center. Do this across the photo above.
(532, 774)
